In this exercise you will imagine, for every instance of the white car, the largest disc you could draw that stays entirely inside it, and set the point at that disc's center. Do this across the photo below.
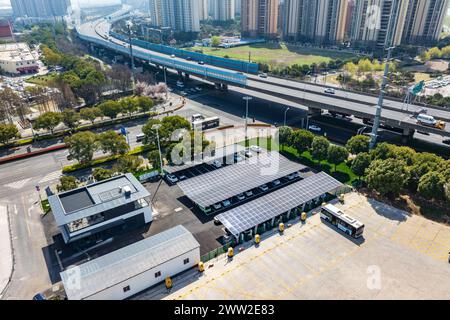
(263, 75)
(249, 193)
(276, 183)
(171, 178)
(217, 164)
(248, 154)
(217, 206)
(315, 128)
(293, 176)
(256, 149)
(238, 158)
(330, 91)
(264, 188)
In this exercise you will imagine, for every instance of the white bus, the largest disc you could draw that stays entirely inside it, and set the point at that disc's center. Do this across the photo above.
(206, 124)
(343, 221)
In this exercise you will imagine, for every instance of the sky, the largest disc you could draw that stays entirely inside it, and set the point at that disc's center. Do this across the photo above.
(6, 3)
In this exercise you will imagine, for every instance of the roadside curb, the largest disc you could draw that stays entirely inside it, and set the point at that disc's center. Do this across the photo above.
(3, 290)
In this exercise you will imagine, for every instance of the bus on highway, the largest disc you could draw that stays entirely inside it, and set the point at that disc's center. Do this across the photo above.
(206, 124)
(342, 221)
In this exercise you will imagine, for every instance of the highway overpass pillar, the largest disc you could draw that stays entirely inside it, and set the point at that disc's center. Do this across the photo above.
(314, 112)
(407, 135)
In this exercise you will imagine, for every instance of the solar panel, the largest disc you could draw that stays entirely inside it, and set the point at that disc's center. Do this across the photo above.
(278, 202)
(222, 184)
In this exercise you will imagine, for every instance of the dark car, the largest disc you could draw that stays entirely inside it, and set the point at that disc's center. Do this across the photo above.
(39, 296)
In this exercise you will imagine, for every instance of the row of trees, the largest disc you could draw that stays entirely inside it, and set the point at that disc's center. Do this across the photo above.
(387, 169)
(110, 108)
(300, 71)
(435, 53)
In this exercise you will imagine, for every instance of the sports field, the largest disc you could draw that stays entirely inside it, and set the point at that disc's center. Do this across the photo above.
(277, 54)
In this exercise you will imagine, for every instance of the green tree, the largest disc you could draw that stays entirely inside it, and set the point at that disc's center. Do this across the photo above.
(284, 135)
(110, 108)
(113, 142)
(171, 124)
(150, 133)
(422, 164)
(215, 41)
(358, 144)
(70, 118)
(90, 114)
(129, 105)
(337, 155)
(153, 158)
(387, 176)
(432, 186)
(144, 103)
(319, 148)
(8, 132)
(382, 151)
(101, 174)
(361, 163)
(48, 120)
(129, 164)
(82, 146)
(67, 183)
(301, 140)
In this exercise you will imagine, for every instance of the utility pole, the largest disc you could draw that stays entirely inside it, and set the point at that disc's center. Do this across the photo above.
(390, 47)
(285, 115)
(133, 75)
(156, 127)
(247, 99)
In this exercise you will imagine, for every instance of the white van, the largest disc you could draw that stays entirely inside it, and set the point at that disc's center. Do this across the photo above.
(426, 120)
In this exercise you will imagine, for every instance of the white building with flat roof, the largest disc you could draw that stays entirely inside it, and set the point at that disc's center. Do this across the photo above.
(133, 269)
(16, 58)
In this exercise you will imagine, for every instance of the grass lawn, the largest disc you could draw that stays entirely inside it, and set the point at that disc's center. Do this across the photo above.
(277, 54)
(343, 172)
(42, 80)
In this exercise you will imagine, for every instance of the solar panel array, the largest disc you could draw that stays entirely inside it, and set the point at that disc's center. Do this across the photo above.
(276, 203)
(219, 154)
(224, 183)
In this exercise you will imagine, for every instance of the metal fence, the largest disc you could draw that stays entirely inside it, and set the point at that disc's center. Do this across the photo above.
(237, 65)
(215, 253)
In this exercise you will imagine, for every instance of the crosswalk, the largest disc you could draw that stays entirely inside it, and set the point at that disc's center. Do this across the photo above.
(51, 177)
(18, 184)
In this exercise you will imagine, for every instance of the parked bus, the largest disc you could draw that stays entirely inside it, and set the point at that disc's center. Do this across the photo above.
(343, 221)
(206, 124)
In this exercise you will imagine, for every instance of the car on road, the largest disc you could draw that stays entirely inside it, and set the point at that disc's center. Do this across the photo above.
(248, 154)
(264, 188)
(217, 206)
(248, 193)
(263, 75)
(238, 158)
(330, 91)
(217, 164)
(183, 93)
(426, 120)
(226, 203)
(39, 296)
(201, 63)
(293, 176)
(315, 128)
(240, 197)
(256, 149)
(172, 56)
(172, 178)
(189, 59)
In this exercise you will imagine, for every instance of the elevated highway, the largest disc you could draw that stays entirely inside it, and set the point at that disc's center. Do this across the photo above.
(312, 96)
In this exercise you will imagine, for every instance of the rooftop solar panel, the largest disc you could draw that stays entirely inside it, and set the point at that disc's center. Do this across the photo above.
(222, 184)
(278, 202)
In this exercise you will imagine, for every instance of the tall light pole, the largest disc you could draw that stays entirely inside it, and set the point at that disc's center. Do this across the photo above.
(389, 44)
(156, 128)
(285, 115)
(133, 75)
(247, 99)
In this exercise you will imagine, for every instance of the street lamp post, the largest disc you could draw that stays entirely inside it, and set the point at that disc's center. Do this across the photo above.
(133, 75)
(247, 99)
(285, 115)
(156, 127)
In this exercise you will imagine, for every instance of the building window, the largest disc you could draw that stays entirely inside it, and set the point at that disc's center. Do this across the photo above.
(186, 261)
(127, 288)
(158, 274)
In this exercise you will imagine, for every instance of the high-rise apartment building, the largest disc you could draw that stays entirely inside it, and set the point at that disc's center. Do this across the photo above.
(259, 18)
(180, 15)
(319, 21)
(203, 9)
(372, 20)
(424, 21)
(40, 8)
(223, 10)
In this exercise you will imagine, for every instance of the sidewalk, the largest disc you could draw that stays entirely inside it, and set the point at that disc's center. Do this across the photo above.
(6, 261)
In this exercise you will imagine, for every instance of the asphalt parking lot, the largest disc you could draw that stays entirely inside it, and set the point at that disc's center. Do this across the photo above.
(400, 257)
